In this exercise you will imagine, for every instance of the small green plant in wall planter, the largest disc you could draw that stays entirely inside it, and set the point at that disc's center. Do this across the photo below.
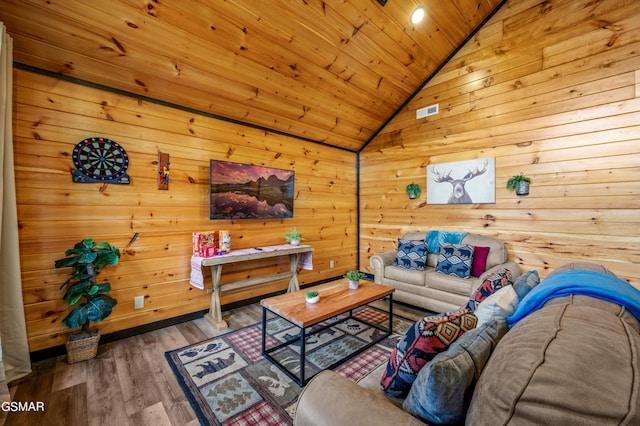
(520, 183)
(293, 237)
(413, 190)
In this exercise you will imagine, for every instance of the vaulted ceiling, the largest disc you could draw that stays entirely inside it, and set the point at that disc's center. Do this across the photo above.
(330, 71)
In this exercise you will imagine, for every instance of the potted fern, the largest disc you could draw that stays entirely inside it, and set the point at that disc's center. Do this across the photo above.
(520, 183)
(86, 259)
(413, 190)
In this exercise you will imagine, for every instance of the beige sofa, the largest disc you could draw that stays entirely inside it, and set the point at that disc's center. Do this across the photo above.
(433, 290)
(572, 361)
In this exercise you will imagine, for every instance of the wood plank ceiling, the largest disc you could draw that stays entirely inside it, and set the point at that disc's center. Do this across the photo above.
(330, 71)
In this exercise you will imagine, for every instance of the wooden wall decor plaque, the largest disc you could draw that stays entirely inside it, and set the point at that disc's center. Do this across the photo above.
(163, 171)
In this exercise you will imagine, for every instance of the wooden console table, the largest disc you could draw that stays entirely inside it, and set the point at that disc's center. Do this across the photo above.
(294, 252)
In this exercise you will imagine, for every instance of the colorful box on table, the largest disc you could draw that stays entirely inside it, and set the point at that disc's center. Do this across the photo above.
(224, 245)
(211, 243)
(205, 244)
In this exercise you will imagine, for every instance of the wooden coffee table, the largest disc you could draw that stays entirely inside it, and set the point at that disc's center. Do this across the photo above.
(335, 298)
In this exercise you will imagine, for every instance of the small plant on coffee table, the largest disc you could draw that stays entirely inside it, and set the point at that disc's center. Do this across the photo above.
(354, 277)
(312, 296)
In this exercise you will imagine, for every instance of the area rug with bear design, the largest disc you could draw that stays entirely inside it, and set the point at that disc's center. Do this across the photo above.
(228, 382)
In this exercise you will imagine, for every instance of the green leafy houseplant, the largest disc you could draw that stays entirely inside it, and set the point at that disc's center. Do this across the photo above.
(293, 236)
(520, 183)
(354, 275)
(86, 259)
(413, 190)
(312, 296)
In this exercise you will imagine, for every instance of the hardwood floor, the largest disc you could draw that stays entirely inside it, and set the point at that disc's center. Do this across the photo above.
(128, 383)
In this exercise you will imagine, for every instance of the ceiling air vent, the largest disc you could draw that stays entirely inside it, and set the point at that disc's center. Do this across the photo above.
(427, 111)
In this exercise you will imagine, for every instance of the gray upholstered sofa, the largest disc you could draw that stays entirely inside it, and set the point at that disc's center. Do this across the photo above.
(433, 290)
(571, 359)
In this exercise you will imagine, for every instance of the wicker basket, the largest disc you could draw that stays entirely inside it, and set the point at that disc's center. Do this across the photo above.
(82, 348)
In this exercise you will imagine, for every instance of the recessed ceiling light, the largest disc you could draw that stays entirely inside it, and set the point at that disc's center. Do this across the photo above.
(417, 15)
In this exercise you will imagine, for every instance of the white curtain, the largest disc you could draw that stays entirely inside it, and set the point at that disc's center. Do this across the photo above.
(14, 359)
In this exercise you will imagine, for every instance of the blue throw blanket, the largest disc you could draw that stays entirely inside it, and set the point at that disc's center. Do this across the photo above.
(588, 283)
(434, 238)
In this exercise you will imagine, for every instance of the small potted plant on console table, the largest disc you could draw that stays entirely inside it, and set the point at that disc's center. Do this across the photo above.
(293, 237)
(354, 277)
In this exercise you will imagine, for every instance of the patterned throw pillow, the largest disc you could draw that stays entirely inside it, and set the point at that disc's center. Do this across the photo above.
(423, 341)
(494, 281)
(455, 259)
(411, 255)
(443, 389)
(479, 264)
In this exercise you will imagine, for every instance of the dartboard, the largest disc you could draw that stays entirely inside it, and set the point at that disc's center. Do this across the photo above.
(100, 160)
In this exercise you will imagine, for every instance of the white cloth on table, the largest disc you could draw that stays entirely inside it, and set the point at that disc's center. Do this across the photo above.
(306, 261)
(197, 278)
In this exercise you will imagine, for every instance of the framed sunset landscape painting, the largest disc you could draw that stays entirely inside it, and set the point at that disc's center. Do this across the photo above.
(245, 191)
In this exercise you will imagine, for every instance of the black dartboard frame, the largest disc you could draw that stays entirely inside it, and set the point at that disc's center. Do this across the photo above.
(100, 160)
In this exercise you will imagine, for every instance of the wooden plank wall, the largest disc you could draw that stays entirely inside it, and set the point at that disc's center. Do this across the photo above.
(550, 89)
(331, 71)
(52, 115)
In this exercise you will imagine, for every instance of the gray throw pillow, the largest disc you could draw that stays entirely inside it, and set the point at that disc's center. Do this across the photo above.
(443, 388)
(525, 283)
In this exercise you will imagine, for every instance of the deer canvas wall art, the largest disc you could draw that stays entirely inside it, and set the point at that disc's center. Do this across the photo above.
(462, 182)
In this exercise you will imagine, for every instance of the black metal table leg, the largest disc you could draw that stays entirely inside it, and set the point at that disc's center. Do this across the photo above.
(264, 329)
(303, 338)
(390, 314)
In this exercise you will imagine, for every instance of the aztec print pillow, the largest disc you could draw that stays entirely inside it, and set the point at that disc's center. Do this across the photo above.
(411, 255)
(455, 259)
(494, 282)
(443, 389)
(423, 341)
